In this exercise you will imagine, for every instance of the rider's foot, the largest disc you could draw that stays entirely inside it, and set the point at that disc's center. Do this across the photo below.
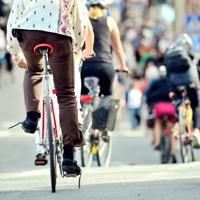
(30, 123)
(70, 167)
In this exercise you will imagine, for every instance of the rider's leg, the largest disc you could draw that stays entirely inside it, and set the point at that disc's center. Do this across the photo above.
(62, 66)
(173, 145)
(134, 122)
(157, 132)
(32, 80)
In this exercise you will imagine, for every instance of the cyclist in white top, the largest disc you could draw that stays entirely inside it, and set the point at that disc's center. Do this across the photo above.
(55, 22)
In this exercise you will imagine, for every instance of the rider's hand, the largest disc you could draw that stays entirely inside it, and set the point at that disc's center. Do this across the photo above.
(20, 61)
(171, 95)
(123, 69)
(87, 54)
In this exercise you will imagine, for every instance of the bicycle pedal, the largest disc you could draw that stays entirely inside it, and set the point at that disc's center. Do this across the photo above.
(39, 162)
(65, 174)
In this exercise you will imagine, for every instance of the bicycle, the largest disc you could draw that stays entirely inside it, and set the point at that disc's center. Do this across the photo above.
(99, 114)
(96, 148)
(184, 116)
(48, 137)
(165, 113)
(98, 137)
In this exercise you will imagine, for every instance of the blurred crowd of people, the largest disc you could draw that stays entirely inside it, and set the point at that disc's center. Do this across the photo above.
(145, 41)
(6, 64)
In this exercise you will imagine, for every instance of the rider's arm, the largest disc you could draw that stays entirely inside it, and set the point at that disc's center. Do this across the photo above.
(89, 42)
(12, 43)
(116, 43)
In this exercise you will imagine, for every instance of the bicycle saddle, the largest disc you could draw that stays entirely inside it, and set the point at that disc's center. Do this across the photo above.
(43, 46)
(91, 82)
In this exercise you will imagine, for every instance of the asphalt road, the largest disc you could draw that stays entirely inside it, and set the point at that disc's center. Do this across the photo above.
(134, 172)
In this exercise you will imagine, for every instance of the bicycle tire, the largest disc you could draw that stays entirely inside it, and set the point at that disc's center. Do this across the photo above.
(183, 150)
(104, 150)
(86, 153)
(51, 144)
(192, 152)
(165, 149)
(183, 147)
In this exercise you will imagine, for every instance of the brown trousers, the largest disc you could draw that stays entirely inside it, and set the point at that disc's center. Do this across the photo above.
(61, 62)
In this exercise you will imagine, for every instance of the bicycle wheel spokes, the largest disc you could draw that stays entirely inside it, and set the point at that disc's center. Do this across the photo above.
(86, 155)
(59, 153)
(104, 151)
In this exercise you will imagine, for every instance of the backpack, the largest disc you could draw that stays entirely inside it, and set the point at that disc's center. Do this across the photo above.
(177, 61)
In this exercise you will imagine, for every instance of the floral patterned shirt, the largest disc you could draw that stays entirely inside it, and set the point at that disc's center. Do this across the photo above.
(65, 17)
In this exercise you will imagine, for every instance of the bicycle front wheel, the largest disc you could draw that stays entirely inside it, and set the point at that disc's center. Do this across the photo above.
(51, 143)
(104, 149)
(186, 149)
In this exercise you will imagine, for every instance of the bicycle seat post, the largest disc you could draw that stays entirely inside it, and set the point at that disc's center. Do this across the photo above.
(44, 50)
(44, 53)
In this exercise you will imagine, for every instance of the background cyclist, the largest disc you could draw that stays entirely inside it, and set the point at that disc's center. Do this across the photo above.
(158, 91)
(107, 40)
(181, 71)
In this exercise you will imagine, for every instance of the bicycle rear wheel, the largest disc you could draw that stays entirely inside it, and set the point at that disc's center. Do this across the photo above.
(104, 149)
(51, 143)
(165, 149)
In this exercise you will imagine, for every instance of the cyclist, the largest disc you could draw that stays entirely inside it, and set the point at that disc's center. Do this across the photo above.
(33, 22)
(157, 92)
(182, 72)
(107, 40)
